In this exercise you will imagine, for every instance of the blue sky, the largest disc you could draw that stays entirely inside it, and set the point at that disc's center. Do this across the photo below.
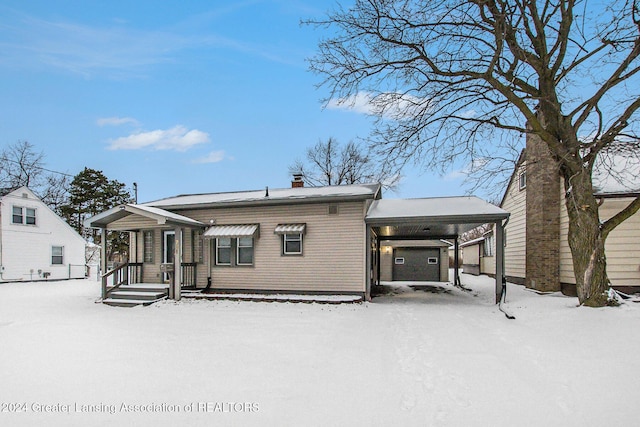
(187, 97)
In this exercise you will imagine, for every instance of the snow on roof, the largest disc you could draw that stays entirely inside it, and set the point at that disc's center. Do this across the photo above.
(354, 191)
(617, 174)
(472, 242)
(455, 209)
(166, 214)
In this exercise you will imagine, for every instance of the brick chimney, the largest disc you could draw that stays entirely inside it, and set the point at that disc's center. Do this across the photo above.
(543, 200)
(297, 181)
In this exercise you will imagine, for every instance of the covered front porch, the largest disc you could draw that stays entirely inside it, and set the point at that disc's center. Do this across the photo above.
(165, 255)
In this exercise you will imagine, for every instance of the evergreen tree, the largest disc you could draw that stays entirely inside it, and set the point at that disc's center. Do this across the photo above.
(90, 193)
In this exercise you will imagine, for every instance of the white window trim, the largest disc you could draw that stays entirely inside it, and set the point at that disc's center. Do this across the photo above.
(23, 215)
(217, 253)
(146, 233)
(238, 252)
(522, 177)
(284, 244)
(52, 255)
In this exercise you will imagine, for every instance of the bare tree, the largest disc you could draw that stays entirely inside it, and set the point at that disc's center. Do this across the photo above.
(452, 80)
(330, 163)
(21, 165)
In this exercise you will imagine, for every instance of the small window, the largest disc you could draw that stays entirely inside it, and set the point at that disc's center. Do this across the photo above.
(57, 255)
(30, 216)
(148, 246)
(488, 245)
(292, 244)
(333, 209)
(432, 260)
(223, 251)
(245, 251)
(522, 181)
(197, 246)
(17, 215)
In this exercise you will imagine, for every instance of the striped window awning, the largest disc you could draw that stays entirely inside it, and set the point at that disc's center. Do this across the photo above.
(235, 231)
(290, 229)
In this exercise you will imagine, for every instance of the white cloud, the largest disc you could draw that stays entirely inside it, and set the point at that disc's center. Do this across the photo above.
(178, 138)
(390, 105)
(116, 121)
(212, 157)
(359, 103)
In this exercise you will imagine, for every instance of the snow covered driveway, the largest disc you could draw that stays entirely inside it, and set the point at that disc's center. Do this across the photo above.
(424, 356)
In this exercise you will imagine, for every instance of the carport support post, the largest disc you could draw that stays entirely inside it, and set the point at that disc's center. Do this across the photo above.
(499, 260)
(456, 260)
(367, 270)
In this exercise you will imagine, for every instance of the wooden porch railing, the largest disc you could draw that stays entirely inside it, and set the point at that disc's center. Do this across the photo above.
(188, 274)
(122, 274)
(132, 272)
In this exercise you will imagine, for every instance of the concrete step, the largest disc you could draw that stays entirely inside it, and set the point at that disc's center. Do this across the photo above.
(144, 287)
(121, 302)
(141, 295)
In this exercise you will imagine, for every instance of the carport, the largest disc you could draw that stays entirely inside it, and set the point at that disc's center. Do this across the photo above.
(429, 219)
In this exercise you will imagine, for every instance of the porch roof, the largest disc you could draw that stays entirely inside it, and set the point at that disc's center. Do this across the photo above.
(161, 216)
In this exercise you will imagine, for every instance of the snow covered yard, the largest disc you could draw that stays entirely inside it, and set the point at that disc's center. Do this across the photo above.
(424, 356)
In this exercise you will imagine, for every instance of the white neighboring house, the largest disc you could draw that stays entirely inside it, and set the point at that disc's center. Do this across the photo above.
(35, 243)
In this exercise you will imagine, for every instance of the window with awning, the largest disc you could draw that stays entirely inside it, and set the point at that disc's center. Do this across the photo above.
(291, 237)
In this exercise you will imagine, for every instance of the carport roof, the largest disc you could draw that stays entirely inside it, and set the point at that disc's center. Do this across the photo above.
(431, 217)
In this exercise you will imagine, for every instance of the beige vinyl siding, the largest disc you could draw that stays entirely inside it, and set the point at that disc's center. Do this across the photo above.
(566, 260)
(471, 254)
(622, 248)
(488, 263)
(333, 249)
(515, 203)
(151, 271)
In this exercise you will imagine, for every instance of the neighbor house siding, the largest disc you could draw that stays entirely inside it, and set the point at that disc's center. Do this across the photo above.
(27, 248)
(621, 246)
(333, 249)
(515, 251)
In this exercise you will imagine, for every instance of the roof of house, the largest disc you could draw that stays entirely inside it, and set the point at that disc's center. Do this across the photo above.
(271, 196)
(617, 176)
(472, 242)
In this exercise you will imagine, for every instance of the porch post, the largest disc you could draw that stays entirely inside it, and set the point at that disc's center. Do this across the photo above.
(177, 265)
(103, 250)
(103, 261)
(499, 260)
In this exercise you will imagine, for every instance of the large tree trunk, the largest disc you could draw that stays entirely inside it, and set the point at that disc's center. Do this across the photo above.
(586, 240)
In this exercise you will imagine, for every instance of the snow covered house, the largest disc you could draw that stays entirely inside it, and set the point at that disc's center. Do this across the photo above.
(35, 243)
(312, 240)
(537, 252)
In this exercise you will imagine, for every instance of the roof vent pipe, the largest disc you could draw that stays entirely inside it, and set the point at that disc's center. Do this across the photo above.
(266, 191)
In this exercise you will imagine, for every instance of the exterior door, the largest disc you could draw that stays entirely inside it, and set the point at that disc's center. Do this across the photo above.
(169, 244)
(416, 264)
